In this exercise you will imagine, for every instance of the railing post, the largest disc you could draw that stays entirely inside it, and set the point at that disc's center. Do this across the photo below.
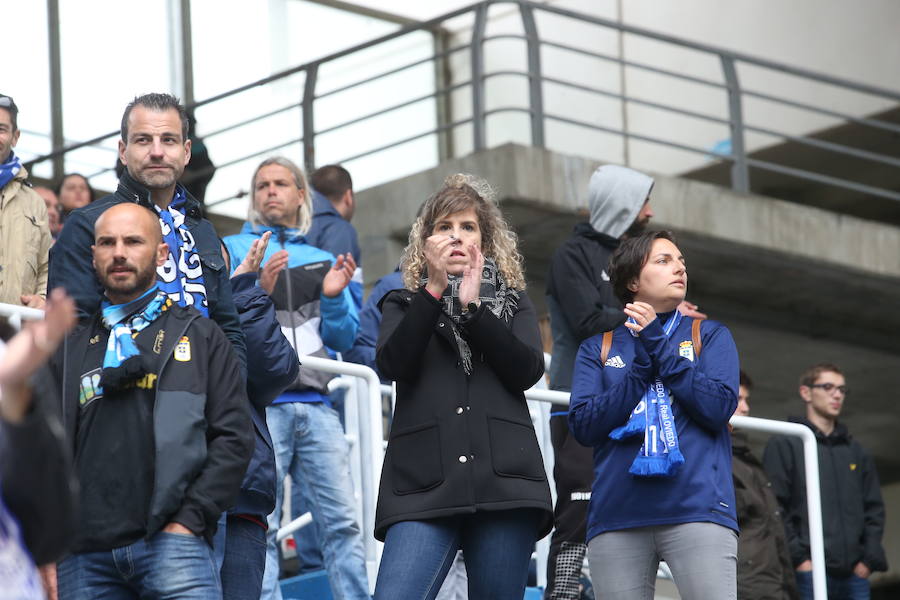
(477, 55)
(57, 136)
(535, 77)
(740, 176)
(309, 127)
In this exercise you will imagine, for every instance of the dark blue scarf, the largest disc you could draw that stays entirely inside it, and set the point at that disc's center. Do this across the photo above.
(181, 277)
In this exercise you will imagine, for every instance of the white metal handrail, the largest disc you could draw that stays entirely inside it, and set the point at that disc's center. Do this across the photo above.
(811, 468)
(15, 314)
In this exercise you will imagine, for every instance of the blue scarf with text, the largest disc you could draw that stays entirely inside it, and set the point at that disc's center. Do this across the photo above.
(181, 277)
(659, 455)
(9, 169)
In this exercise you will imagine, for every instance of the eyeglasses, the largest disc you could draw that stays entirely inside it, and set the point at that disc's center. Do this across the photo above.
(830, 387)
(6, 101)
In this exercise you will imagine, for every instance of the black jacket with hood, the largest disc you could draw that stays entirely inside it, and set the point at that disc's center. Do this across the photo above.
(201, 423)
(579, 295)
(852, 508)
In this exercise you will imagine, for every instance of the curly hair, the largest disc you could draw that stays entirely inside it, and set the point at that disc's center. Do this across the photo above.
(460, 192)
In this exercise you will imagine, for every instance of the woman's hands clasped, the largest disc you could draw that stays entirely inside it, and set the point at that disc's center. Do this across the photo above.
(438, 249)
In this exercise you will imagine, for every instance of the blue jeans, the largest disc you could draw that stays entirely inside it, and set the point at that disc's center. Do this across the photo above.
(839, 588)
(245, 560)
(310, 447)
(496, 547)
(309, 553)
(168, 566)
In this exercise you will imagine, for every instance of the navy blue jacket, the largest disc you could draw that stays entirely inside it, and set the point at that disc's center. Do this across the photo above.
(363, 350)
(71, 260)
(334, 234)
(272, 365)
(704, 393)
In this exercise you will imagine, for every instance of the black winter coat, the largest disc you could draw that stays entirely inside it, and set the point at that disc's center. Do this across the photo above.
(852, 508)
(201, 420)
(459, 444)
(764, 569)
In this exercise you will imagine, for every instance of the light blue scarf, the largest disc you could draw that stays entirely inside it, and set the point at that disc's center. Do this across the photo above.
(122, 361)
(659, 455)
(9, 169)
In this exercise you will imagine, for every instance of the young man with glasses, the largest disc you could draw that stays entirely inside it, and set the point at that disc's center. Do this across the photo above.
(852, 508)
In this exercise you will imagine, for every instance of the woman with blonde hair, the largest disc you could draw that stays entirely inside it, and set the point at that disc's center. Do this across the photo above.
(463, 469)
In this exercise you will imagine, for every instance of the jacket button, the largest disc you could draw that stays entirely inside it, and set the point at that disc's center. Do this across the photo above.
(463, 458)
(459, 410)
(440, 324)
(468, 408)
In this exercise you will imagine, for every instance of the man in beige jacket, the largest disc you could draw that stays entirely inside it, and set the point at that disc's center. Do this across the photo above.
(24, 232)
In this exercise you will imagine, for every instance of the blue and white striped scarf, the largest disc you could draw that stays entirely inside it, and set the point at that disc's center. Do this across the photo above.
(181, 276)
(122, 362)
(659, 455)
(9, 169)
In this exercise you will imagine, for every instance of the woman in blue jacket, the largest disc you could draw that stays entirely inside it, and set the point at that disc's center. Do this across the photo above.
(655, 410)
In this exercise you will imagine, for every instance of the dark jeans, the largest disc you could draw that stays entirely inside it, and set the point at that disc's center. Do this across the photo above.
(496, 547)
(839, 588)
(245, 559)
(168, 566)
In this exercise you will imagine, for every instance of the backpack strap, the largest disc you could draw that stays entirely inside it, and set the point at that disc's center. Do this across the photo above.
(695, 337)
(605, 346)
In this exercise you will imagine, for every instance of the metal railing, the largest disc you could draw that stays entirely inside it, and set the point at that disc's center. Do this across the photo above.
(309, 96)
(371, 436)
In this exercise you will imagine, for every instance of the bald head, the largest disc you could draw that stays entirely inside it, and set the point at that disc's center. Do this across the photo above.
(127, 248)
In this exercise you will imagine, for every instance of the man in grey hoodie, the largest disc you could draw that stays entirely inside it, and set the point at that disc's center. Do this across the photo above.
(581, 303)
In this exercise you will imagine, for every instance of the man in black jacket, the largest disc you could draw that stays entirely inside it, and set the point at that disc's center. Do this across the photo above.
(581, 304)
(155, 150)
(852, 508)
(156, 411)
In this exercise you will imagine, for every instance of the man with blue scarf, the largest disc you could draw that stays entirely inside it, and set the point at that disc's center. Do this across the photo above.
(24, 233)
(155, 408)
(655, 410)
(154, 149)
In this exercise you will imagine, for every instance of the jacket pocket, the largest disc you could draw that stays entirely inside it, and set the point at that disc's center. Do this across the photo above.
(514, 449)
(416, 459)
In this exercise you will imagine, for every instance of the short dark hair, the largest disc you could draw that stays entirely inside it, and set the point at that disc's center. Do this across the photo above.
(745, 380)
(332, 181)
(811, 374)
(628, 260)
(86, 182)
(157, 102)
(9, 104)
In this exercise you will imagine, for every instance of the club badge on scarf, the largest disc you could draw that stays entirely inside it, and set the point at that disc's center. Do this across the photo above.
(122, 362)
(659, 455)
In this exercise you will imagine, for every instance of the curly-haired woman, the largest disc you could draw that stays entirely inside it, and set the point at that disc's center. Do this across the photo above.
(463, 469)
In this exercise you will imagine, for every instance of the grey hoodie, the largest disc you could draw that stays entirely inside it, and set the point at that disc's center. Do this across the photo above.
(615, 197)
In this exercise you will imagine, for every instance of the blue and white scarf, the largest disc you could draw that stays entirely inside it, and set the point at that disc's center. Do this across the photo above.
(659, 455)
(181, 277)
(122, 362)
(9, 169)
